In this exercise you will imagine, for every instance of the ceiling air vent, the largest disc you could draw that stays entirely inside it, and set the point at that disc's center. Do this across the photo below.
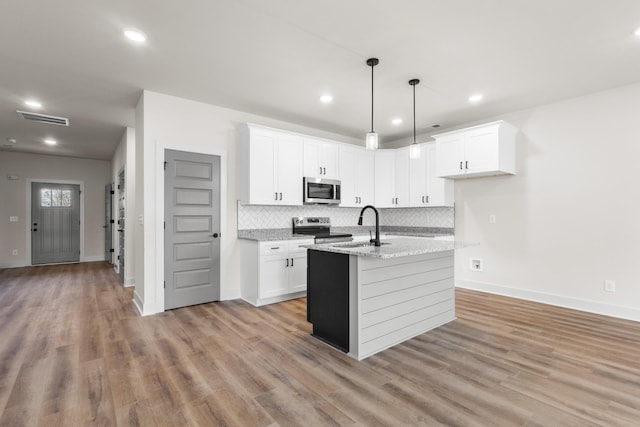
(43, 118)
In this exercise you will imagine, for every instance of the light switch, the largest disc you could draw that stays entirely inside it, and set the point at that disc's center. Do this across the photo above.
(13, 219)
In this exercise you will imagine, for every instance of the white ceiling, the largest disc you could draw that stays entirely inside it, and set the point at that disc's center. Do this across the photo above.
(275, 58)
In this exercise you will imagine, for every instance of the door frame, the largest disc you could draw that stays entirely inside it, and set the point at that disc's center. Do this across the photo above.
(29, 181)
(197, 147)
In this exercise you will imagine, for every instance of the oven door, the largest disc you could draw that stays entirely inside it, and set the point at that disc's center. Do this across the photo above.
(321, 191)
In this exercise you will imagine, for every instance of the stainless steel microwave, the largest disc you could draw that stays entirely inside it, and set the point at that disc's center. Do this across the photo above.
(318, 191)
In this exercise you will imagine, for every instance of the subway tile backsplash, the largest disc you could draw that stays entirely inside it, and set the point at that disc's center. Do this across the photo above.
(252, 217)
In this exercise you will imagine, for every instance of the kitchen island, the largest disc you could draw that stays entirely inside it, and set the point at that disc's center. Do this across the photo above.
(363, 299)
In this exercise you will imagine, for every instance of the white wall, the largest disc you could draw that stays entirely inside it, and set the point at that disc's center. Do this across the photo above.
(13, 235)
(570, 218)
(164, 121)
(124, 158)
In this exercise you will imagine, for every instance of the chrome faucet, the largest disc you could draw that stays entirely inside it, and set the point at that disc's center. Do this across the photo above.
(375, 241)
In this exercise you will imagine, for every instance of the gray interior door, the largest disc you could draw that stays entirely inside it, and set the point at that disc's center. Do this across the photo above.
(55, 223)
(121, 230)
(108, 223)
(192, 229)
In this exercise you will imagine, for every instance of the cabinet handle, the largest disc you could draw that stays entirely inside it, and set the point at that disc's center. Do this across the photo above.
(287, 262)
(460, 165)
(320, 170)
(356, 199)
(396, 200)
(427, 199)
(359, 199)
(280, 196)
(275, 247)
(291, 262)
(422, 199)
(466, 164)
(325, 170)
(276, 195)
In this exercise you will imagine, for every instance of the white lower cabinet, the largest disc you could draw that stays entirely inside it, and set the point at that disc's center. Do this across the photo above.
(273, 271)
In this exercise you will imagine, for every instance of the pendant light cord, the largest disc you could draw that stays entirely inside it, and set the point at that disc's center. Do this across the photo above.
(414, 114)
(372, 65)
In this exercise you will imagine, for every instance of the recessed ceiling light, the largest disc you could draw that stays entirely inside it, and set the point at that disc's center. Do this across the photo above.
(475, 98)
(325, 99)
(135, 35)
(396, 121)
(50, 141)
(32, 103)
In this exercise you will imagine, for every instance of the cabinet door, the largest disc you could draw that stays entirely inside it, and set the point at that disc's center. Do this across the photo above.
(289, 169)
(481, 150)
(438, 190)
(329, 160)
(312, 166)
(402, 177)
(385, 178)
(274, 279)
(417, 178)
(298, 272)
(348, 177)
(365, 177)
(450, 149)
(262, 173)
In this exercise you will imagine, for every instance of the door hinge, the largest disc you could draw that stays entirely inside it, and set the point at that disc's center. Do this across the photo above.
(118, 186)
(112, 250)
(165, 165)
(165, 284)
(79, 191)
(164, 225)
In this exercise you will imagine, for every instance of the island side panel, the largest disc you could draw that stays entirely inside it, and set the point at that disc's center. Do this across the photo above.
(328, 297)
(400, 298)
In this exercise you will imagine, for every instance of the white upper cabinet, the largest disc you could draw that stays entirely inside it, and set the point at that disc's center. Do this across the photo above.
(391, 182)
(321, 158)
(356, 176)
(482, 150)
(271, 171)
(426, 188)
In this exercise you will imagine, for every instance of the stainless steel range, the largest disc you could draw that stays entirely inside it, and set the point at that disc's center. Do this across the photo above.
(320, 228)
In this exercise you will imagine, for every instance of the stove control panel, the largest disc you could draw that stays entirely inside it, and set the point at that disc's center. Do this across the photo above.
(311, 221)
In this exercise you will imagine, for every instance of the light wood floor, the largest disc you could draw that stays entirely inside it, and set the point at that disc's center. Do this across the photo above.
(74, 352)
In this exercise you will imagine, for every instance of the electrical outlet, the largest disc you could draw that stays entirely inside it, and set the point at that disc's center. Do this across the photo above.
(475, 264)
(609, 286)
(492, 219)
(13, 219)
(14, 252)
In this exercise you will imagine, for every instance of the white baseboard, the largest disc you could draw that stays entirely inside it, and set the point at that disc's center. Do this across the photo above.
(129, 282)
(621, 312)
(137, 301)
(92, 258)
(14, 264)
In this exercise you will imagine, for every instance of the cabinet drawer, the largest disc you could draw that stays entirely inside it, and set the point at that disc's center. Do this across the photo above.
(274, 248)
(296, 246)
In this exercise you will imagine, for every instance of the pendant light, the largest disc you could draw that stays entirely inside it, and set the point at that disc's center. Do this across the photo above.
(371, 141)
(414, 149)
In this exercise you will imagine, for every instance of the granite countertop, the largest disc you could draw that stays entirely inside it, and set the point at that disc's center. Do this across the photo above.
(396, 247)
(271, 234)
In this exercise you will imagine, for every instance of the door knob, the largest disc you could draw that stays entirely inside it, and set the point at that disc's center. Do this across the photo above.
(214, 235)
(35, 229)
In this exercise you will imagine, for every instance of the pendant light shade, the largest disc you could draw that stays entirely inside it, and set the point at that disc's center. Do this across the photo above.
(414, 149)
(371, 141)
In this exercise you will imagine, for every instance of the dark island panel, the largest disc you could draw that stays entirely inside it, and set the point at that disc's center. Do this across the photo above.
(328, 297)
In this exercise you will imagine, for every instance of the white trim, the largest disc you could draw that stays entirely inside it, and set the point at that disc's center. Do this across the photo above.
(596, 307)
(137, 301)
(29, 181)
(156, 303)
(14, 265)
(129, 282)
